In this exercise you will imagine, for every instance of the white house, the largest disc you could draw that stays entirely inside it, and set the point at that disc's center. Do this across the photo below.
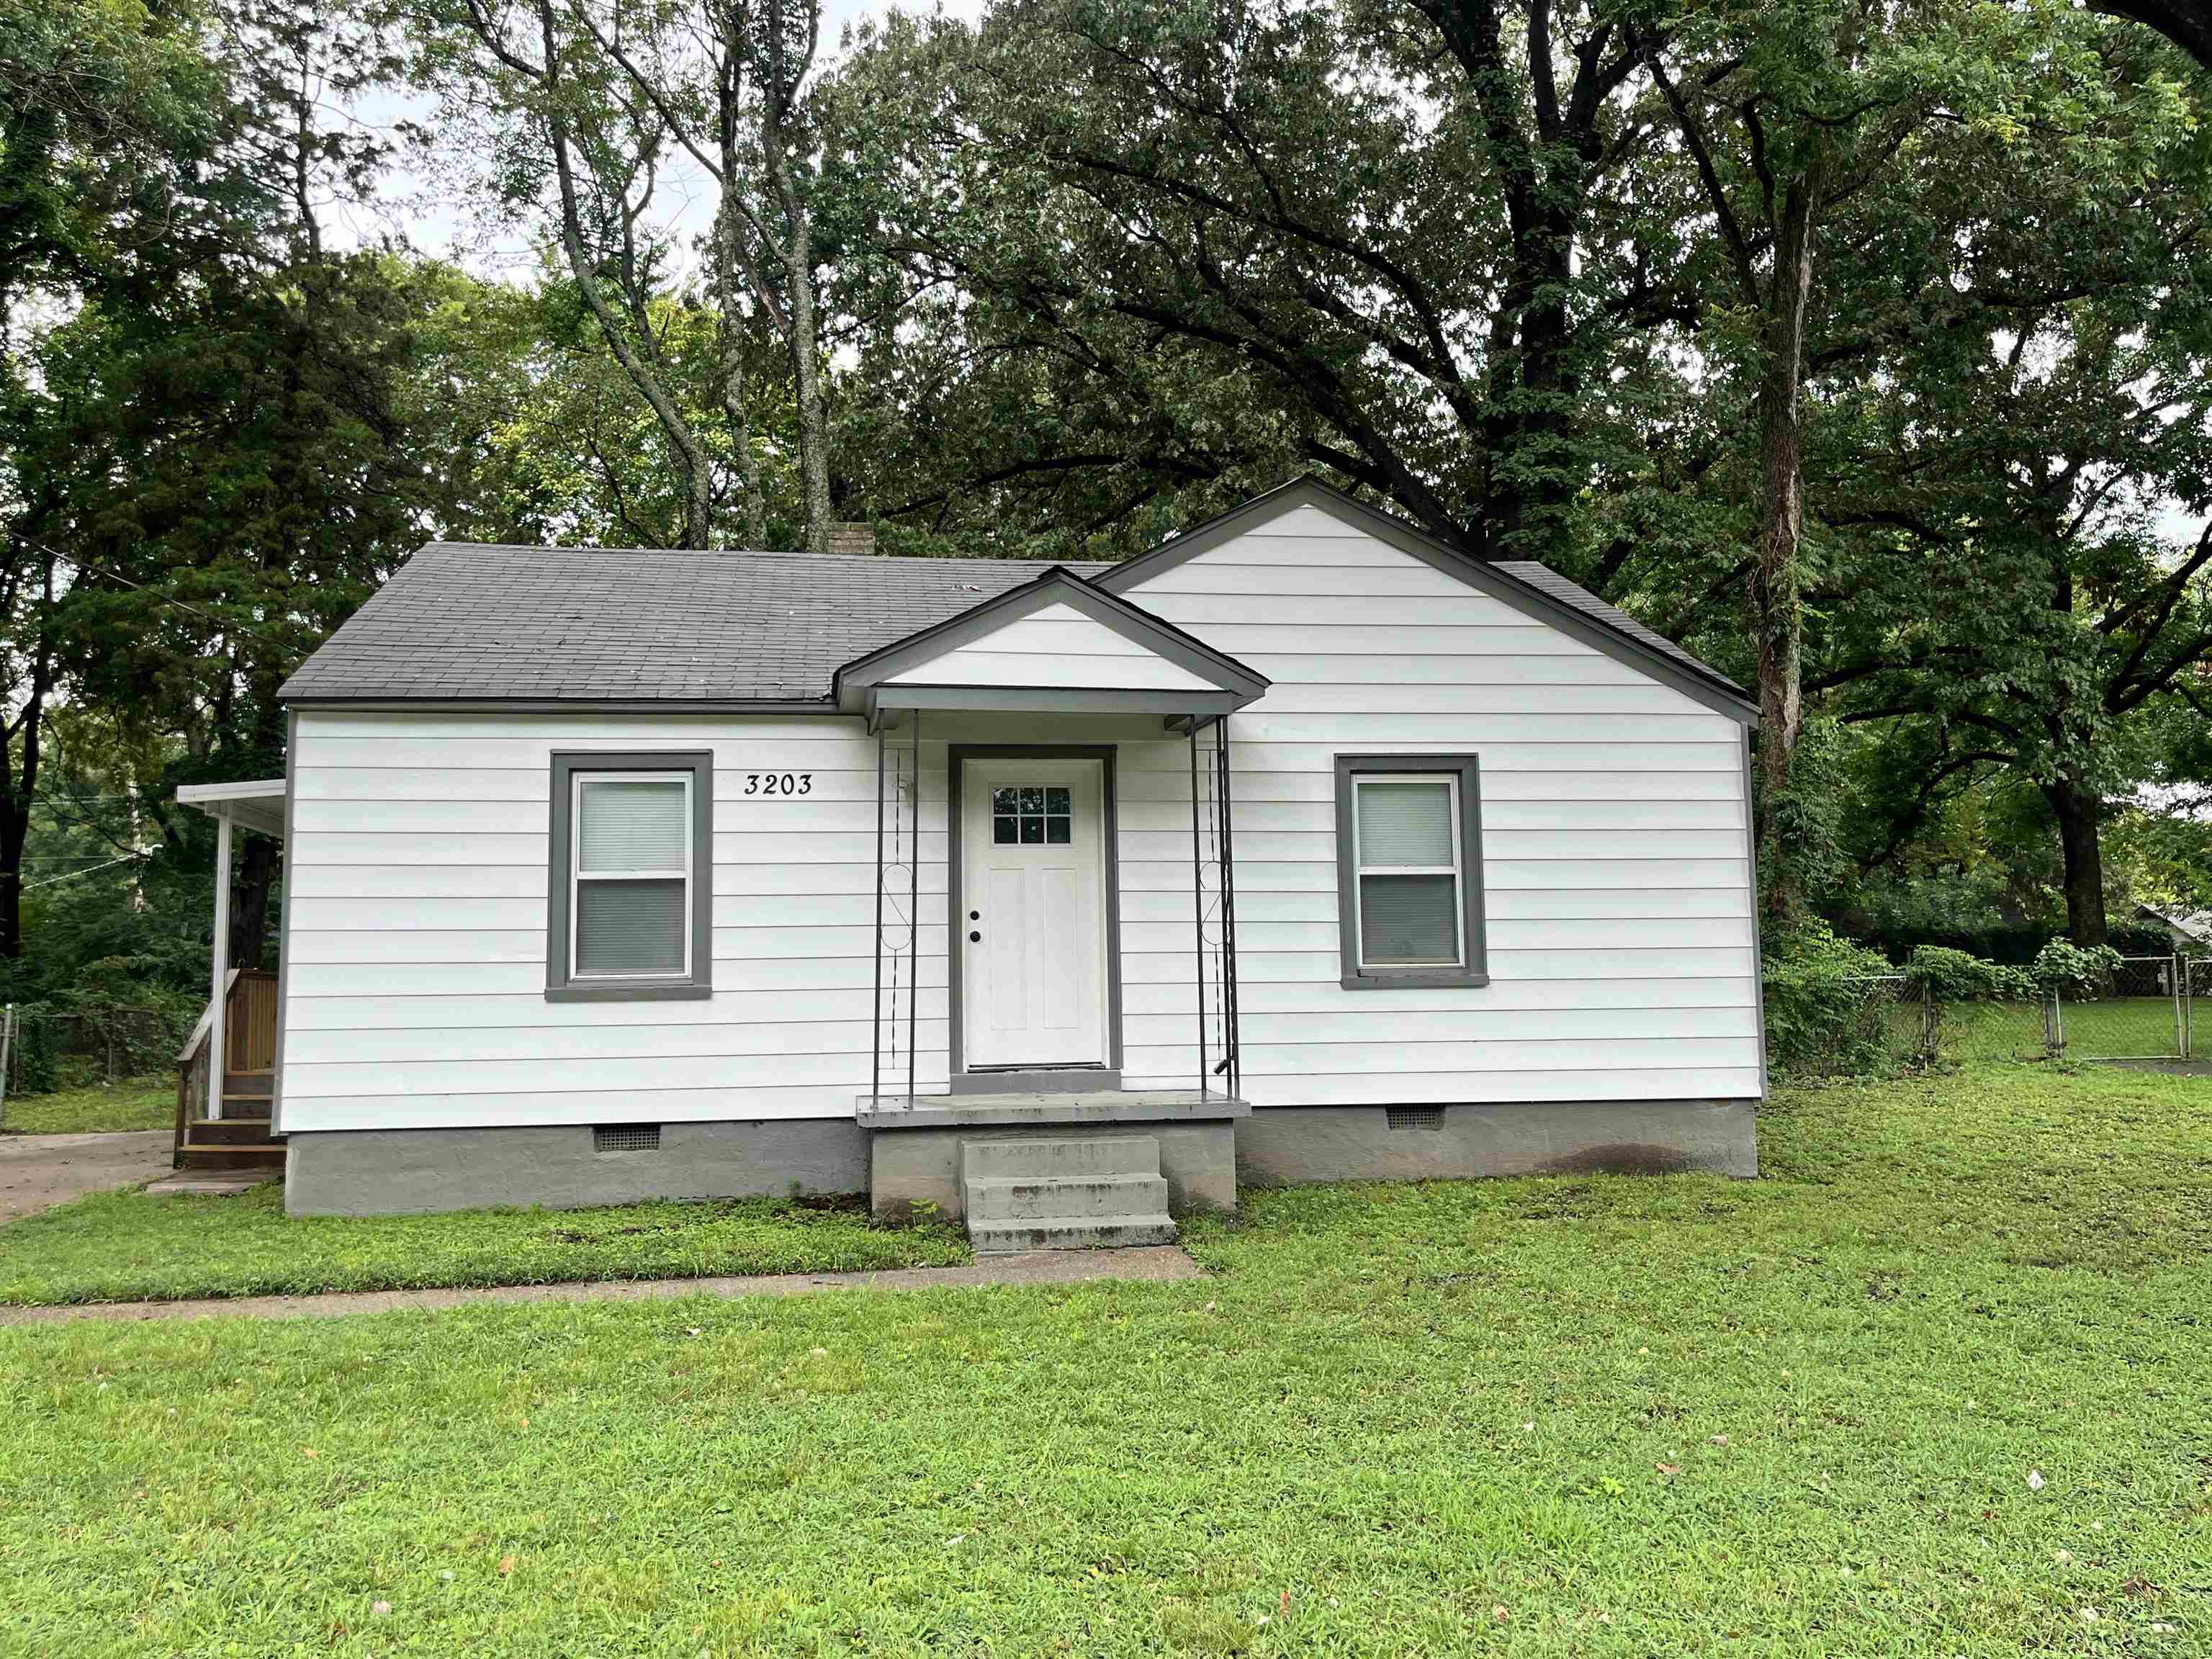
(1301, 848)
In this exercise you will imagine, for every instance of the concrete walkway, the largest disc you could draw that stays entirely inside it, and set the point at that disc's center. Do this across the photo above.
(1154, 1264)
(37, 1171)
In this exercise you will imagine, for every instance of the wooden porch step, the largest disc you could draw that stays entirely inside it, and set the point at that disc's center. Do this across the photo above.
(246, 1154)
(229, 1132)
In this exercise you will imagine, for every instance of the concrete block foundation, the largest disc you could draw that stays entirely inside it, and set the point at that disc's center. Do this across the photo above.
(411, 1171)
(1289, 1145)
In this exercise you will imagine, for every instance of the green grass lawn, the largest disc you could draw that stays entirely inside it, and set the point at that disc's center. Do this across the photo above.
(118, 1246)
(1940, 1384)
(134, 1103)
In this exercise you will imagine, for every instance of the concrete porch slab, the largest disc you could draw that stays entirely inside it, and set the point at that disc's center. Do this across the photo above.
(211, 1183)
(1102, 1106)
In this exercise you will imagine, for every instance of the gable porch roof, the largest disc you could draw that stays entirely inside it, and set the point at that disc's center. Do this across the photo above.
(1147, 666)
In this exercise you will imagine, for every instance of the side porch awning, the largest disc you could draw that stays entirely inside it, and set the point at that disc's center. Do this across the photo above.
(259, 806)
(1054, 645)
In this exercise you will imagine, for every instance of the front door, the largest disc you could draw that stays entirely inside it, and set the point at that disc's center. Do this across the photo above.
(1032, 921)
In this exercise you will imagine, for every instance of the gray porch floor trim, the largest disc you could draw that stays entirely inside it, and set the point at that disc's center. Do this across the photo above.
(1107, 1106)
(1152, 1264)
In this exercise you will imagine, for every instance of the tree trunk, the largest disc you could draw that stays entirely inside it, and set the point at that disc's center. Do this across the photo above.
(2079, 812)
(729, 343)
(1777, 608)
(796, 254)
(19, 789)
(15, 829)
(249, 905)
(684, 451)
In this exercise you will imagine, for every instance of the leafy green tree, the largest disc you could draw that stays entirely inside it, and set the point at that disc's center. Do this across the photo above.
(1412, 231)
(109, 123)
(2032, 395)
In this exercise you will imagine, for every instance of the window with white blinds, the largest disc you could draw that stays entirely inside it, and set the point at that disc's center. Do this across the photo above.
(1409, 865)
(1409, 874)
(631, 848)
(633, 876)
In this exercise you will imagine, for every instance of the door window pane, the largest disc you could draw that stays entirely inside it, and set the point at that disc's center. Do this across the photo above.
(1408, 919)
(1408, 824)
(629, 928)
(1029, 815)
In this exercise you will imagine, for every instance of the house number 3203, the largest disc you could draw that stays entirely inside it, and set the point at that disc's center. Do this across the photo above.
(778, 783)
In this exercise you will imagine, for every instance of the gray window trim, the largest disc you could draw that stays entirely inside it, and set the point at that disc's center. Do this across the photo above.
(1476, 971)
(699, 983)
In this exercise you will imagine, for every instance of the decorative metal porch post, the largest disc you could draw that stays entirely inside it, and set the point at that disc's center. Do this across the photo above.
(1198, 915)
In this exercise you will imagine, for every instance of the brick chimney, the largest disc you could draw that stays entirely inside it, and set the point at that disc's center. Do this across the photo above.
(851, 538)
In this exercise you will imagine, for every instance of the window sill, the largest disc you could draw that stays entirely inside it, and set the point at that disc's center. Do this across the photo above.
(629, 993)
(1416, 980)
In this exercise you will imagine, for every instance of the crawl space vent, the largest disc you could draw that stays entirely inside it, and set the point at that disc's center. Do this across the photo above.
(1416, 1117)
(625, 1136)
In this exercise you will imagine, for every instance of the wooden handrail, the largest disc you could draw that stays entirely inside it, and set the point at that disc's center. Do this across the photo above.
(206, 1020)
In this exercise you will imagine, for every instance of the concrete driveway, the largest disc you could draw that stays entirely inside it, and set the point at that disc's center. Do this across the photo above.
(37, 1171)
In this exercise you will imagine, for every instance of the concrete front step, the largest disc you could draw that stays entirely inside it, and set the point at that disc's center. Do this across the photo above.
(1001, 1197)
(1064, 1192)
(1070, 1233)
(1049, 1157)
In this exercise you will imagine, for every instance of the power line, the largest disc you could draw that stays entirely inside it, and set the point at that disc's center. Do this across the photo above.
(128, 858)
(84, 569)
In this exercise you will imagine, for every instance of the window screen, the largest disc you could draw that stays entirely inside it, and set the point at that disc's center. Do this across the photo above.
(1409, 870)
(633, 876)
(1409, 854)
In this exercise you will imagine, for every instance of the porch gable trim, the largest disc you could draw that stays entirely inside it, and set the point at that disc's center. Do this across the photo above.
(861, 685)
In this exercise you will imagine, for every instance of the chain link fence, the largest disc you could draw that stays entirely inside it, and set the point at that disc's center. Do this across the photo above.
(87, 1041)
(2147, 1011)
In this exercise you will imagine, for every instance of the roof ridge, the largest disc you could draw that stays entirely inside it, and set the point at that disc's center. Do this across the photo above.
(764, 553)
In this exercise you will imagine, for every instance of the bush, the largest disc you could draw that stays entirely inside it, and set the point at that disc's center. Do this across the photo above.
(1828, 1015)
(2079, 974)
(1943, 975)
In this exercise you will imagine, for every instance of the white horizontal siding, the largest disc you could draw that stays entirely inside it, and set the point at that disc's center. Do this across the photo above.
(1622, 952)
(416, 984)
(1057, 646)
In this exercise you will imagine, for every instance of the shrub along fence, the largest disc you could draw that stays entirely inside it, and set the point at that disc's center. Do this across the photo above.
(1946, 1006)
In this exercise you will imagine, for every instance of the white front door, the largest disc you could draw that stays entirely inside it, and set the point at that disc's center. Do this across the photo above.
(1032, 920)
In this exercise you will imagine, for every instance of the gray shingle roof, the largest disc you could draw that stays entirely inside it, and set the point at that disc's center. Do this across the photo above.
(1553, 586)
(463, 621)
